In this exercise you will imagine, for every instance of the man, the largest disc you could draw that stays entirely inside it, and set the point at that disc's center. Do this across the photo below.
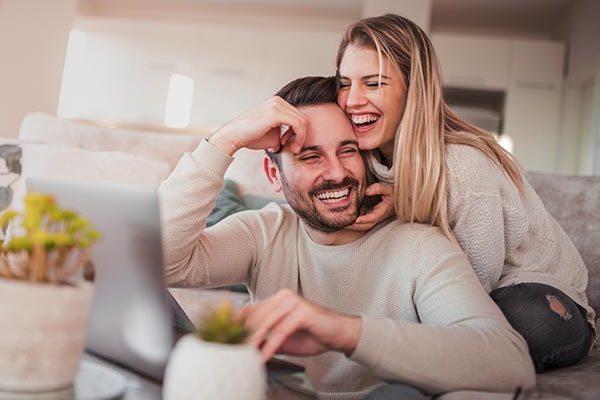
(397, 303)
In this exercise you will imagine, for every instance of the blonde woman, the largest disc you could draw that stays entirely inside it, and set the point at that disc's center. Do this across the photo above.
(446, 172)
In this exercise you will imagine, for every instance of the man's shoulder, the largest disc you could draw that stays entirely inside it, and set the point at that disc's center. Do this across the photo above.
(273, 217)
(418, 240)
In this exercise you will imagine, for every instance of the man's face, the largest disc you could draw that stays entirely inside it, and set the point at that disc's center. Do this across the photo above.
(324, 183)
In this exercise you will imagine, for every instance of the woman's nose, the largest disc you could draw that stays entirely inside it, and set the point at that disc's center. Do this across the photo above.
(355, 97)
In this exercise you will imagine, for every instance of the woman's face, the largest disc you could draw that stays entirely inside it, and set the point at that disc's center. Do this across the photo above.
(375, 110)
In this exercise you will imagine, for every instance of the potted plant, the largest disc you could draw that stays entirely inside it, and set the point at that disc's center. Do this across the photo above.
(43, 313)
(214, 362)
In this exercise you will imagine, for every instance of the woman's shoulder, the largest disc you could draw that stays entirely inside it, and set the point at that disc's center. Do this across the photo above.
(458, 155)
(469, 167)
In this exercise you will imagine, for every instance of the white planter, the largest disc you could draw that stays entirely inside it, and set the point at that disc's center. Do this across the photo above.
(42, 334)
(207, 371)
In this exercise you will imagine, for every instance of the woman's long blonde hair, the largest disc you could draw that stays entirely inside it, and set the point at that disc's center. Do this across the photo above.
(428, 124)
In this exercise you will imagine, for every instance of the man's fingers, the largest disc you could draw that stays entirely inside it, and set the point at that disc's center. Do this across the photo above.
(267, 321)
(279, 334)
(261, 317)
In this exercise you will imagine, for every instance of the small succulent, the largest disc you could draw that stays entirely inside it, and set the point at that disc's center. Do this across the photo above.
(220, 325)
(47, 244)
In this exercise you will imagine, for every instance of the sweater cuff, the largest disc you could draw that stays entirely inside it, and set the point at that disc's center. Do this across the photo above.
(373, 340)
(211, 158)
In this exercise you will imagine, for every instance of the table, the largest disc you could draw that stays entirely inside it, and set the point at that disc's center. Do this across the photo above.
(98, 379)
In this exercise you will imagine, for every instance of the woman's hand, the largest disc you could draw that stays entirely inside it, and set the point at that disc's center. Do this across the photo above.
(382, 211)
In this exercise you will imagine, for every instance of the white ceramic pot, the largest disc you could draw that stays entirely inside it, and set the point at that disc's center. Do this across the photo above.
(207, 371)
(42, 334)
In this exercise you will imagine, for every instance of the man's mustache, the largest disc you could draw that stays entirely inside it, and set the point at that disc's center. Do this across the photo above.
(332, 185)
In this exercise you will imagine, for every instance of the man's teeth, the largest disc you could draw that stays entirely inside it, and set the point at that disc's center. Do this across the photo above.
(333, 197)
(364, 119)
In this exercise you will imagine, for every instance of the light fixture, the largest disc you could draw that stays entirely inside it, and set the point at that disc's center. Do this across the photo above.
(179, 101)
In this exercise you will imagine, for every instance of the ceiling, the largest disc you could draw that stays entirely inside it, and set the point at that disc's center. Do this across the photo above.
(542, 16)
(537, 17)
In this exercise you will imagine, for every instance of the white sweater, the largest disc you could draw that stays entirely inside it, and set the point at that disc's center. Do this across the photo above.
(426, 320)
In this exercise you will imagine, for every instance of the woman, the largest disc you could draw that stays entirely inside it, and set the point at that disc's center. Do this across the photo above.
(451, 174)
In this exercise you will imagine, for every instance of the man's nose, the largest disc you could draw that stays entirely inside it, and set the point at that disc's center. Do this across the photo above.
(334, 170)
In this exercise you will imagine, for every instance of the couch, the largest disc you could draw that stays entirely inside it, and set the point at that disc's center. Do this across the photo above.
(67, 149)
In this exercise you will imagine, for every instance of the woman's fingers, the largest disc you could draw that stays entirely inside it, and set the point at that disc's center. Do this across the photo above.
(381, 189)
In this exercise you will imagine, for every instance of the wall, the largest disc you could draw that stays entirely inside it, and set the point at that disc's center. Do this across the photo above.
(124, 71)
(33, 40)
(580, 138)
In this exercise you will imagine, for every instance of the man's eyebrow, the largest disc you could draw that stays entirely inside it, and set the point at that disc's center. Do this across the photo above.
(349, 141)
(308, 148)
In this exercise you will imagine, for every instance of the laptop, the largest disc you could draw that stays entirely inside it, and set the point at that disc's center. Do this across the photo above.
(134, 320)
(131, 320)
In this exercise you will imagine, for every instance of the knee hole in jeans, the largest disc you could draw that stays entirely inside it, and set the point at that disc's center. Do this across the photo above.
(558, 307)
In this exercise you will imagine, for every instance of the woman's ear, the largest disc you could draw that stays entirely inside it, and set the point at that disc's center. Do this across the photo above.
(272, 172)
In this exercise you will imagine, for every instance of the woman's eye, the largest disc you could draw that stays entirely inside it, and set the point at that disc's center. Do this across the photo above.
(374, 84)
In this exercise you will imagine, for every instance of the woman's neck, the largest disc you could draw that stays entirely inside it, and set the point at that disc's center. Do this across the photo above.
(386, 155)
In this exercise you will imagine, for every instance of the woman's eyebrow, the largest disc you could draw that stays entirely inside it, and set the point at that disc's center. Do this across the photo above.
(375, 76)
(368, 76)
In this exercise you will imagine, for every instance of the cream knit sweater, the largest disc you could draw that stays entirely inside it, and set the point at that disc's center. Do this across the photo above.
(508, 237)
(426, 320)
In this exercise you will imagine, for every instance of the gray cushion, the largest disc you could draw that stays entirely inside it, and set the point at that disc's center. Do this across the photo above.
(574, 201)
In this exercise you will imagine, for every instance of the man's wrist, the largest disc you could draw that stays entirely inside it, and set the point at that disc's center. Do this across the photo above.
(222, 143)
(350, 334)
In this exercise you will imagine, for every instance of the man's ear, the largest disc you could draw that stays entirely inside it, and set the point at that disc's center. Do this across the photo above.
(272, 172)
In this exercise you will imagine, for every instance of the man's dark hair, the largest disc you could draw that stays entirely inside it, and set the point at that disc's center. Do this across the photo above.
(307, 91)
(310, 90)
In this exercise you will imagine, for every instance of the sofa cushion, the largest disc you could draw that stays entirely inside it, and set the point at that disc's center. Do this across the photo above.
(574, 202)
(167, 147)
(63, 162)
(577, 382)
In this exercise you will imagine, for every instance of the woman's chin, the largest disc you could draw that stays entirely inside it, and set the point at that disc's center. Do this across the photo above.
(367, 143)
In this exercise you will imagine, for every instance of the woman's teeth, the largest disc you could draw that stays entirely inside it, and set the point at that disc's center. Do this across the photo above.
(334, 196)
(362, 120)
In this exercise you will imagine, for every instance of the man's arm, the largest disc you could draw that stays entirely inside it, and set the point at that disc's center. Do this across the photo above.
(193, 256)
(224, 253)
(462, 343)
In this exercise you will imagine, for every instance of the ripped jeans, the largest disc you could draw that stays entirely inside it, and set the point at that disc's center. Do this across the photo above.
(554, 326)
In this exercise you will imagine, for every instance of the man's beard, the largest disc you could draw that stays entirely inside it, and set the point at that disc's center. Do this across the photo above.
(306, 208)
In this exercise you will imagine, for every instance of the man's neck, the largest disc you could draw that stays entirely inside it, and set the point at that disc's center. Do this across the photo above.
(343, 236)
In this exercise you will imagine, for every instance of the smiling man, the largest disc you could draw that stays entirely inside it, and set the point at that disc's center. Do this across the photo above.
(357, 309)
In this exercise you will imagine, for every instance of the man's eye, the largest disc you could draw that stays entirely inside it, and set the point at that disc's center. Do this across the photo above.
(349, 151)
(308, 158)
(344, 85)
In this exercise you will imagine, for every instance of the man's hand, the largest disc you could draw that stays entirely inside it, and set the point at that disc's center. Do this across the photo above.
(261, 128)
(287, 323)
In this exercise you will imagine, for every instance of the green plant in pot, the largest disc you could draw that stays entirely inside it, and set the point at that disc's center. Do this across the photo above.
(214, 362)
(43, 312)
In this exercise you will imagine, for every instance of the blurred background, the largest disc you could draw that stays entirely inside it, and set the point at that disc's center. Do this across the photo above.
(527, 70)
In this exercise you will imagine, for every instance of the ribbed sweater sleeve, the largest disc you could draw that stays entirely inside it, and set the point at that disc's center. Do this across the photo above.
(463, 340)
(223, 254)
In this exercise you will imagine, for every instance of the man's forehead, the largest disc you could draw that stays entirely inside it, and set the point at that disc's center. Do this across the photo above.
(327, 125)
